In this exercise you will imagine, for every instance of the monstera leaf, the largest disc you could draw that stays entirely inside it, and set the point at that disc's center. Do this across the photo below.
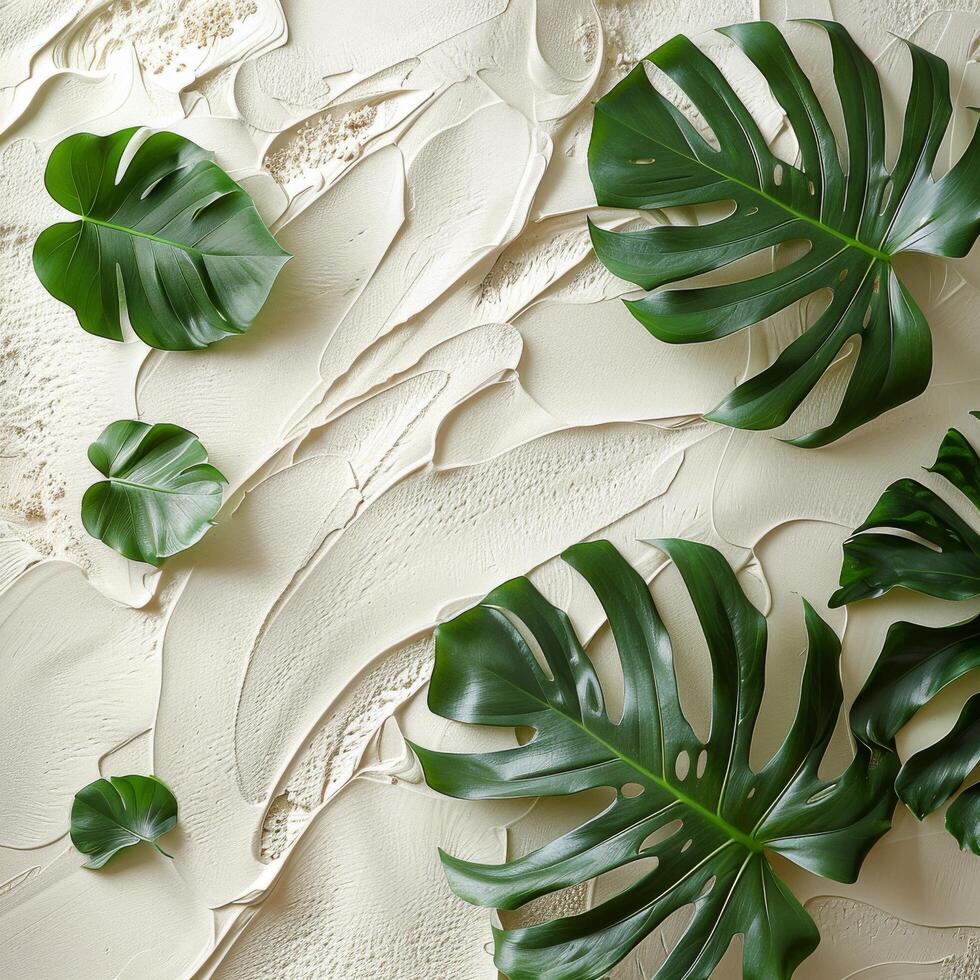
(948, 567)
(111, 814)
(160, 495)
(728, 816)
(918, 661)
(856, 216)
(172, 240)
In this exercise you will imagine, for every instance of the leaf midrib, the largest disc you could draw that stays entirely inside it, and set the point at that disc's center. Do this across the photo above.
(148, 486)
(758, 191)
(736, 835)
(140, 234)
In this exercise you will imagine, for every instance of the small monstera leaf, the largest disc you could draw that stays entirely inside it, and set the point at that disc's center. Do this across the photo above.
(855, 213)
(948, 567)
(917, 662)
(728, 816)
(114, 813)
(160, 494)
(172, 240)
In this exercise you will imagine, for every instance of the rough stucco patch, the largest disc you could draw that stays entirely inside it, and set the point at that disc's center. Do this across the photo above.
(374, 849)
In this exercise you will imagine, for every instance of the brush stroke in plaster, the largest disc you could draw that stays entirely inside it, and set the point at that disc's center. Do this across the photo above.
(305, 928)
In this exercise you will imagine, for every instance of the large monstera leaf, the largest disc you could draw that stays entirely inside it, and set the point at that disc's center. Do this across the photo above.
(729, 815)
(948, 566)
(172, 241)
(160, 493)
(856, 215)
(917, 662)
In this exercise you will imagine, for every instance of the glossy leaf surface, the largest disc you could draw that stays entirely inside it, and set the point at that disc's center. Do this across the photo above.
(160, 494)
(946, 561)
(716, 817)
(963, 819)
(111, 814)
(855, 214)
(171, 242)
(917, 662)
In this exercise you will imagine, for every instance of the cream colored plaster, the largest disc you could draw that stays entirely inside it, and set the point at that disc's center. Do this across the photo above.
(444, 391)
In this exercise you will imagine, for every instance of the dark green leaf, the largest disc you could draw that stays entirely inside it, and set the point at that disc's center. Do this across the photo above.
(915, 664)
(963, 819)
(855, 213)
(173, 237)
(160, 496)
(111, 814)
(729, 816)
(933, 775)
(948, 567)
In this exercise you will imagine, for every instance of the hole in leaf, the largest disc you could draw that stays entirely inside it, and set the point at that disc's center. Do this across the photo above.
(531, 642)
(702, 762)
(687, 844)
(660, 835)
(523, 734)
(750, 793)
(631, 790)
(205, 210)
(130, 151)
(682, 765)
(645, 160)
(777, 174)
(843, 274)
(867, 318)
(901, 532)
(129, 334)
(822, 794)
(153, 185)
(674, 94)
(665, 939)
(792, 250)
(708, 885)
(609, 671)
(886, 195)
(815, 305)
(812, 188)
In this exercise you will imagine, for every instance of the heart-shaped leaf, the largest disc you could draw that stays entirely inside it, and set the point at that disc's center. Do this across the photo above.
(917, 662)
(172, 240)
(713, 818)
(114, 813)
(854, 212)
(161, 493)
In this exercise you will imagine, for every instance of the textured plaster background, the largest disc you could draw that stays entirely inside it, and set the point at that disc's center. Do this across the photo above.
(444, 391)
